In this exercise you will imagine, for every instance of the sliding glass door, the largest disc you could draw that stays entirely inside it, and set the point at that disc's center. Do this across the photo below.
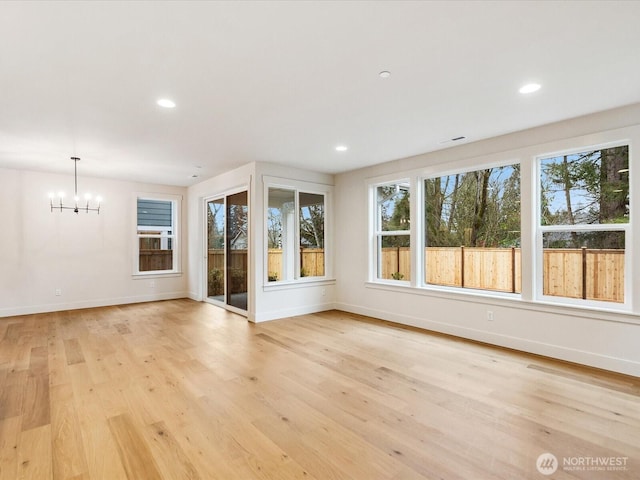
(216, 265)
(227, 250)
(237, 248)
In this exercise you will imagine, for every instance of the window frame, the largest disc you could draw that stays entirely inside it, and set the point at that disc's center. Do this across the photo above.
(539, 230)
(438, 173)
(377, 233)
(175, 236)
(530, 298)
(297, 187)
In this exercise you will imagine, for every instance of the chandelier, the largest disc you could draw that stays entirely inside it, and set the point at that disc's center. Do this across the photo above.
(77, 206)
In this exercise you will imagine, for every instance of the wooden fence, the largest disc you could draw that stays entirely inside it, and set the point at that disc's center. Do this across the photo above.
(238, 268)
(311, 263)
(496, 269)
(590, 274)
(584, 273)
(395, 262)
(152, 259)
(575, 273)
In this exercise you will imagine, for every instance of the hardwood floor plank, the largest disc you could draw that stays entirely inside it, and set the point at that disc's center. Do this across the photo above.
(73, 351)
(312, 460)
(34, 454)
(67, 447)
(248, 446)
(122, 328)
(80, 379)
(13, 332)
(9, 438)
(11, 399)
(36, 404)
(39, 361)
(101, 452)
(134, 452)
(58, 372)
(171, 458)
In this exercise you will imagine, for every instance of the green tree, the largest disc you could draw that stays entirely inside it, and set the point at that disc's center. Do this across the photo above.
(215, 225)
(237, 226)
(274, 228)
(480, 208)
(394, 210)
(591, 187)
(312, 226)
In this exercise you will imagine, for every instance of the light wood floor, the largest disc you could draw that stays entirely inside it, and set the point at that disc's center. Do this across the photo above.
(184, 390)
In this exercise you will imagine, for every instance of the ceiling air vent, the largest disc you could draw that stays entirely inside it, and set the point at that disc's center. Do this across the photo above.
(455, 139)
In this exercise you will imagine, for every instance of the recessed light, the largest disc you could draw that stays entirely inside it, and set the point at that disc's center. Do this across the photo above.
(166, 103)
(530, 88)
(341, 148)
(384, 74)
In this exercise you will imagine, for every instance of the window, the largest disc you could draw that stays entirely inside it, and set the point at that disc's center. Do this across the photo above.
(311, 215)
(472, 229)
(584, 224)
(295, 234)
(393, 231)
(156, 235)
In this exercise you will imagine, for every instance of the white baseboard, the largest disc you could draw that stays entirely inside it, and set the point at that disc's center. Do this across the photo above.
(195, 296)
(103, 302)
(560, 352)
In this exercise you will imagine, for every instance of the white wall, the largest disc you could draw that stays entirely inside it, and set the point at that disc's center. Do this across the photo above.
(87, 256)
(266, 302)
(603, 339)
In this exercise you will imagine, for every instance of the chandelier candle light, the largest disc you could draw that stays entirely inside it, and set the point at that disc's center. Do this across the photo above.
(76, 207)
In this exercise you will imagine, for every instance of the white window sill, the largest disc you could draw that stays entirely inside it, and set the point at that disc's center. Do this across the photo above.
(156, 274)
(301, 283)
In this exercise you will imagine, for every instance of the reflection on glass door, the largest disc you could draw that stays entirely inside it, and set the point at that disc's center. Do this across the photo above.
(237, 247)
(227, 242)
(215, 249)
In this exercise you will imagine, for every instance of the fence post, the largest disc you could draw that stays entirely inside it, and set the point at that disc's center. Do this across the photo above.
(462, 266)
(584, 273)
(398, 260)
(513, 269)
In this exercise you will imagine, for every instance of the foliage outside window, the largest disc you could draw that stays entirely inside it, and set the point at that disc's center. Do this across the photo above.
(156, 236)
(215, 247)
(295, 234)
(584, 224)
(393, 232)
(472, 229)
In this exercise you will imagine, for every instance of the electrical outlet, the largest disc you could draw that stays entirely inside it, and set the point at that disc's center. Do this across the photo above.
(58, 292)
(324, 292)
(489, 315)
(152, 284)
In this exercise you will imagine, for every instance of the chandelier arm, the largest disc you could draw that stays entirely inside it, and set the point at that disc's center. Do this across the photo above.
(76, 205)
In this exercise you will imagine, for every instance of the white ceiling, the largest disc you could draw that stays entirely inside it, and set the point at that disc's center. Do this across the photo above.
(286, 82)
